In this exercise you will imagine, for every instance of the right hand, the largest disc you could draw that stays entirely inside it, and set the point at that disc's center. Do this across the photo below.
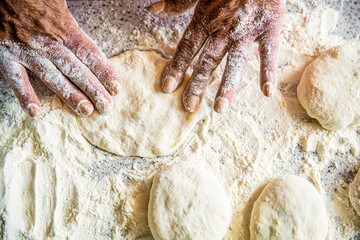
(219, 27)
(43, 36)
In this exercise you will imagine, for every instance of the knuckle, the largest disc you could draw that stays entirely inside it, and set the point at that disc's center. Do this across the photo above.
(186, 48)
(209, 61)
(197, 85)
(49, 76)
(54, 51)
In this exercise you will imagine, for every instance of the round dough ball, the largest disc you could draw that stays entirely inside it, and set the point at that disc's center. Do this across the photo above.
(188, 203)
(144, 121)
(329, 89)
(354, 193)
(289, 208)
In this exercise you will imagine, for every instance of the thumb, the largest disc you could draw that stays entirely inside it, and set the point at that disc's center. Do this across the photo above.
(171, 8)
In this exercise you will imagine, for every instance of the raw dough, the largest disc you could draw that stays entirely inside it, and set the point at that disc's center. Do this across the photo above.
(188, 202)
(289, 208)
(144, 121)
(354, 193)
(329, 89)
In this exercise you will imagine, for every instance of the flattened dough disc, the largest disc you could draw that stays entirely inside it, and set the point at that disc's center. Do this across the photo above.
(354, 193)
(188, 202)
(289, 208)
(329, 89)
(144, 120)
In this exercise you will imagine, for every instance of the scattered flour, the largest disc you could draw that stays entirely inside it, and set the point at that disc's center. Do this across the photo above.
(54, 184)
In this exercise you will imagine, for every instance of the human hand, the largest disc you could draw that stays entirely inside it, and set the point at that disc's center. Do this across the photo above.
(43, 37)
(219, 27)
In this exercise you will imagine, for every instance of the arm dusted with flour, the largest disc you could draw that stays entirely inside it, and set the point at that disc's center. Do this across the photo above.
(42, 35)
(220, 27)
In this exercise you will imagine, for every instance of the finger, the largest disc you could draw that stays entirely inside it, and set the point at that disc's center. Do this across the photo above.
(191, 42)
(90, 55)
(236, 62)
(58, 83)
(18, 79)
(81, 76)
(214, 50)
(268, 48)
(156, 7)
(171, 8)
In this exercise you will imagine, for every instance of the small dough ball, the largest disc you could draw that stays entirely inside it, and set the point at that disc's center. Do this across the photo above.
(354, 193)
(289, 208)
(187, 202)
(144, 120)
(329, 89)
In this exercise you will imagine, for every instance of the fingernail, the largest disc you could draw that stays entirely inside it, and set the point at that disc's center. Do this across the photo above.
(268, 89)
(103, 105)
(156, 7)
(169, 84)
(221, 105)
(85, 108)
(191, 103)
(33, 110)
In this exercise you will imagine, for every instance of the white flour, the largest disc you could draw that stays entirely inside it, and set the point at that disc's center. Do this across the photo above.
(54, 184)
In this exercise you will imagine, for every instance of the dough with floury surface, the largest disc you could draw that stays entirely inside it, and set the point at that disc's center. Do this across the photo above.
(144, 121)
(289, 207)
(188, 202)
(329, 89)
(354, 193)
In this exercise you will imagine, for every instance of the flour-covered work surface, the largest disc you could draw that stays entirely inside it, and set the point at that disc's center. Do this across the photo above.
(55, 184)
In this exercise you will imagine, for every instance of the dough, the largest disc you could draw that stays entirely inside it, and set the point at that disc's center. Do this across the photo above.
(188, 202)
(329, 89)
(354, 193)
(289, 208)
(144, 121)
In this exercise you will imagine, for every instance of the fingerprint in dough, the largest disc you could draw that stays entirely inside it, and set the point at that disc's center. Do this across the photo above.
(144, 121)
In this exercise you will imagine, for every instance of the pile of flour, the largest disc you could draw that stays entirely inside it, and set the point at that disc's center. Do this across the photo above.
(54, 184)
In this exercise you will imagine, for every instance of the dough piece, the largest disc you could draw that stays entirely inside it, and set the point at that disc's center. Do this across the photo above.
(329, 89)
(187, 202)
(354, 193)
(144, 121)
(289, 208)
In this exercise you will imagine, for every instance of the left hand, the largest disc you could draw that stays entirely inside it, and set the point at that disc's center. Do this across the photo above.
(220, 27)
(43, 36)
